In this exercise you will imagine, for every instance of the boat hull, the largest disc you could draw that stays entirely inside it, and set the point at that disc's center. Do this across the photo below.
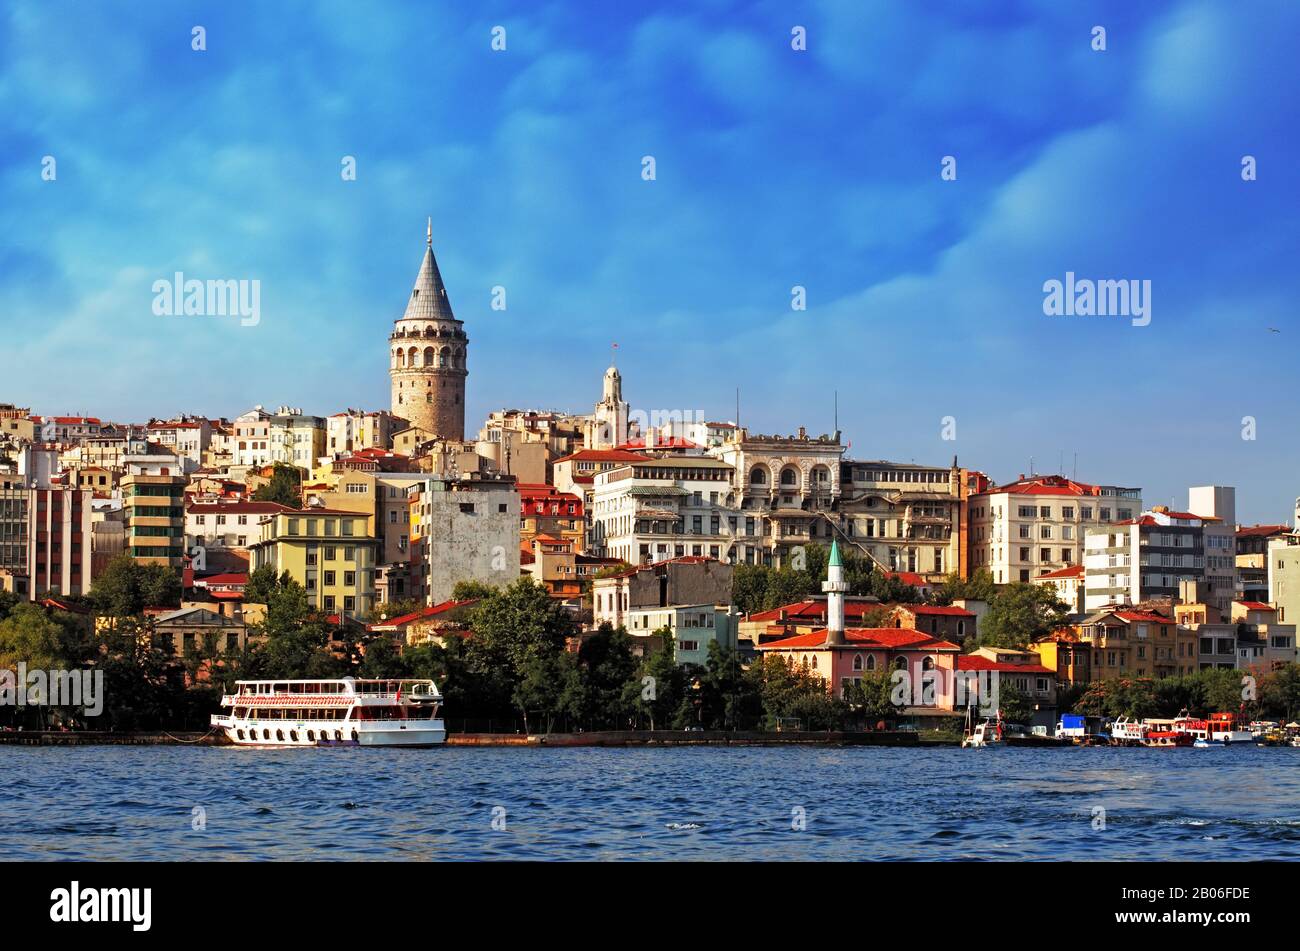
(425, 734)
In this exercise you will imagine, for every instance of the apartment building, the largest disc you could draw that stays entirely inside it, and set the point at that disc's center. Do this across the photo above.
(907, 517)
(328, 552)
(355, 429)
(1145, 558)
(784, 488)
(1284, 576)
(462, 529)
(657, 509)
(1217, 507)
(154, 512)
(1037, 524)
(1252, 560)
(45, 539)
(546, 511)
(1137, 644)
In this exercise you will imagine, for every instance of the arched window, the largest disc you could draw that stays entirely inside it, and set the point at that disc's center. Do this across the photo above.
(428, 331)
(443, 354)
(871, 662)
(927, 664)
(789, 476)
(428, 356)
(411, 357)
(757, 476)
(857, 661)
(900, 664)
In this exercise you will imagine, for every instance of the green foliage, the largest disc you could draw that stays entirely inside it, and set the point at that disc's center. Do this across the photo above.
(127, 587)
(1021, 613)
(871, 698)
(285, 487)
(1013, 704)
(1199, 694)
(659, 685)
(978, 586)
(759, 588)
(8, 601)
(469, 590)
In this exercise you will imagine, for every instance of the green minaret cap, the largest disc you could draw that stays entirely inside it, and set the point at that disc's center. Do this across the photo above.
(835, 556)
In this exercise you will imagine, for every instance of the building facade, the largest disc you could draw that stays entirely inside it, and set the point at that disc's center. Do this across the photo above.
(1036, 525)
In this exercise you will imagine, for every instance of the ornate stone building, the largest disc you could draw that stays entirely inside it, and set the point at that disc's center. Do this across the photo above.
(427, 356)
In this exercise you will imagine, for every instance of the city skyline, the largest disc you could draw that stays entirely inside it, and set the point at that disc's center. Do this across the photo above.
(924, 296)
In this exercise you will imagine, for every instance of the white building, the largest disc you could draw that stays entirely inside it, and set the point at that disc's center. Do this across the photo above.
(1217, 505)
(1037, 524)
(1144, 558)
(655, 509)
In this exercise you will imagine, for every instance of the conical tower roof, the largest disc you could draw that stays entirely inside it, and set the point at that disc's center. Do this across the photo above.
(835, 555)
(429, 297)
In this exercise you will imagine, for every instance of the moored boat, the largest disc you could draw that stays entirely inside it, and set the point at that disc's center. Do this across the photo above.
(346, 712)
(1128, 732)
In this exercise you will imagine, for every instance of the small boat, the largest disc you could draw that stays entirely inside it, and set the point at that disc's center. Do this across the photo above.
(1127, 732)
(1223, 729)
(988, 733)
(1160, 734)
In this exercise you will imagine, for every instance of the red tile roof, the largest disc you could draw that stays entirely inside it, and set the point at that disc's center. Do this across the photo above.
(1264, 530)
(1143, 617)
(1074, 571)
(980, 662)
(948, 610)
(1255, 605)
(673, 442)
(886, 638)
(604, 455)
(421, 615)
(237, 578)
(1046, 485)
(909, 577)
(813, 609)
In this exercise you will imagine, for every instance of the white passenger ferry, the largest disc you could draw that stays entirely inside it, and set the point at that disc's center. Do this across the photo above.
(345, 712)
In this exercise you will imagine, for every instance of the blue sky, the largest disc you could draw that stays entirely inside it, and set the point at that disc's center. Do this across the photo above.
(775, 168)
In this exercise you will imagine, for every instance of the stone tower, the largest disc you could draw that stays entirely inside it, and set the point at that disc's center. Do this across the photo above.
(427, 356)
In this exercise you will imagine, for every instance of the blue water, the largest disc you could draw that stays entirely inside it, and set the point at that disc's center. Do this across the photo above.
(707, 803)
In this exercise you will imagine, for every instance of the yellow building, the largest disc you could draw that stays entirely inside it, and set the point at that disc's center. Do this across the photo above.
(1131, 643)
(154, 512)
(330, 552)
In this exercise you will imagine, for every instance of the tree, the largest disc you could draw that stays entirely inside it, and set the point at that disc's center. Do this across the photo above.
(872, 697)
(8, 601)
(749, 588)
(550, 686)
(383, 661)
(1013, 704)
(1279, 693)
(607, 665)
(471, 590)
(979, 586)
(515, 626)
(127, 587)
(1021, 613)
(284, 487)
(659, 685)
